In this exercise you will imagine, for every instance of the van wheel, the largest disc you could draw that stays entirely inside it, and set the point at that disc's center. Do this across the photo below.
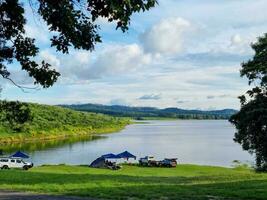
(5, 167)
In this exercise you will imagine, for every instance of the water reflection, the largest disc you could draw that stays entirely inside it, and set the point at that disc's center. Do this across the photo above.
(47, 144)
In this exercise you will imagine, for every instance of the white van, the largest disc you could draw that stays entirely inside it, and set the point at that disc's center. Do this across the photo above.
(8, 163)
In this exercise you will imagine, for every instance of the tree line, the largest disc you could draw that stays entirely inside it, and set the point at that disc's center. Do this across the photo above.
(143, 112)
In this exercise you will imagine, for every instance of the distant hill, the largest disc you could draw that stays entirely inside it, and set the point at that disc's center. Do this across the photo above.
(151, 112)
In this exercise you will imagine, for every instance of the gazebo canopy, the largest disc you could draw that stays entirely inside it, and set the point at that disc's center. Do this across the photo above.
(110, 156)
(19, 154)
(126, 155)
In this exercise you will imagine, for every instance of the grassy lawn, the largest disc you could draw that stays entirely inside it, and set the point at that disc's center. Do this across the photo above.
(132, 182)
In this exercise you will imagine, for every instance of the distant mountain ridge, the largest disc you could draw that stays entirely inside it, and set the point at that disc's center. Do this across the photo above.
(151, 112)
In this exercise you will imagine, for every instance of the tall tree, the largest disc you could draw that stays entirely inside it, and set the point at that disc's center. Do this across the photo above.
(73, 23)
(251, 120)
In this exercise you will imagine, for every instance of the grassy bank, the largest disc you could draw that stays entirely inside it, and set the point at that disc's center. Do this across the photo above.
(132, 182)
(55, 123)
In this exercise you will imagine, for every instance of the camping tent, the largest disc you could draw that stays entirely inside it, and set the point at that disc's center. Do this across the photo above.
(126, 155)
(99, 162)
(19, 154)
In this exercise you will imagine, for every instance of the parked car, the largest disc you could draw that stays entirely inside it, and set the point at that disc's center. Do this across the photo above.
(169, 162)
(8, 163)
(147, 161)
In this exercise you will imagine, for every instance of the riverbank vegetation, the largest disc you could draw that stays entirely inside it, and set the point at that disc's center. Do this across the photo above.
(133, 182)
(46, 122)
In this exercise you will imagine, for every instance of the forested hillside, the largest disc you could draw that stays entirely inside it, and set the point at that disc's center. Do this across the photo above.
(144, 112)
(49, 122)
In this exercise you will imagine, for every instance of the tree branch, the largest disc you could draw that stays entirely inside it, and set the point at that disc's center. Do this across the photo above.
(23, 88)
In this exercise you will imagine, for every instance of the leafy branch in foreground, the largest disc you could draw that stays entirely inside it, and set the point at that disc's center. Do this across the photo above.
(72, 22)
(251, 120)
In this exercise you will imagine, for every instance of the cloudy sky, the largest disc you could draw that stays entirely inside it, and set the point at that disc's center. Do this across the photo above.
(183, 53)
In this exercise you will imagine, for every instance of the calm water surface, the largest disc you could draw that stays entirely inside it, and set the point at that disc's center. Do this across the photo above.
(207, 142)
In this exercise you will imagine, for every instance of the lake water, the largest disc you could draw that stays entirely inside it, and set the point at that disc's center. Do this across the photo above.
(208, 142)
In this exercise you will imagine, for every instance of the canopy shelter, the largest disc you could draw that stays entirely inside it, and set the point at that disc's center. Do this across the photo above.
(126, 155)
(19, 154)
(110, 156)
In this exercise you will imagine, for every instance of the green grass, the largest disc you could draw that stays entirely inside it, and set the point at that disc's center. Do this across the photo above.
(133, 182)
(54, 123)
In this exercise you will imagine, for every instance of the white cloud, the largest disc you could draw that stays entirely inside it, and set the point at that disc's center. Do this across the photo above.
(220, 96)
(241, 45)
(83, 57)
(40, 33)
(166, 37)
(114, 60)
(120, 58)
(236, 40)
(150, 97)
(229, 44)
(50, 58)
(181, 101)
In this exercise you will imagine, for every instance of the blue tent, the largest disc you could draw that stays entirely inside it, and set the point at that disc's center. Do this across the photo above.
(19, 154)
(110, 156)
(126, 155)
(99, 162)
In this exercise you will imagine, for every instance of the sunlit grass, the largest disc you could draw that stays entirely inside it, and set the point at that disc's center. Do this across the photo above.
(183, 182)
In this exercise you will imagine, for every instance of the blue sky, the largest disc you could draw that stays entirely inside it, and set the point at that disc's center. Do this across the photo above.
(183, 53)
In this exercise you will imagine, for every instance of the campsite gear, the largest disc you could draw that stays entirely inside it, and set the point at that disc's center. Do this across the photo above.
(102, 162)
(112, 165)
